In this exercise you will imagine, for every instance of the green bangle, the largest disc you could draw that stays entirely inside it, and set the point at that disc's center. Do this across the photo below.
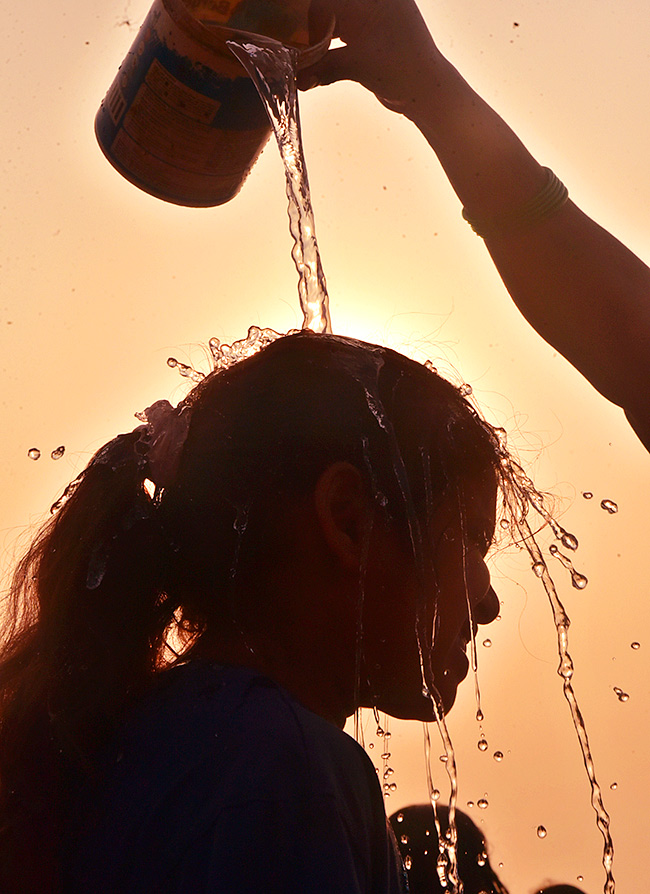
(551, 198)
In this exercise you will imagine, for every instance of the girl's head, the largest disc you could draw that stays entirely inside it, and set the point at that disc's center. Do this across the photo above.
(339, 496)
(325, 501)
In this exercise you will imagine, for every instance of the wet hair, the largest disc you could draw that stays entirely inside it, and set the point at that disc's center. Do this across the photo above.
(94, 600)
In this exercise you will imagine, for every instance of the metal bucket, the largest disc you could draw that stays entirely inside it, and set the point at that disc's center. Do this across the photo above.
(182, 120)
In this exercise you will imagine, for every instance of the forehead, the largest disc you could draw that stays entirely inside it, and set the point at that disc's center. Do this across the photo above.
(469, 506)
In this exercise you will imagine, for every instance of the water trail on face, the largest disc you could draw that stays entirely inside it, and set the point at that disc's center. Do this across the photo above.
(518, 493)
(470, 610)
(272, 68)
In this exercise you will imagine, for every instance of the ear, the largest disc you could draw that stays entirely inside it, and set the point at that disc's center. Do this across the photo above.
(345, 513)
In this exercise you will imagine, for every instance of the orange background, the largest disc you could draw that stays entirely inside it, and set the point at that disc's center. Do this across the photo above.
(100, 283)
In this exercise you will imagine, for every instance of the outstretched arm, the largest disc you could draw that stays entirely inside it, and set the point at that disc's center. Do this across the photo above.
(582, 290)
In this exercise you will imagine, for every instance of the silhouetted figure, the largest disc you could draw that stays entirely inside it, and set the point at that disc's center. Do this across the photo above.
(222, 587)
(417, 839)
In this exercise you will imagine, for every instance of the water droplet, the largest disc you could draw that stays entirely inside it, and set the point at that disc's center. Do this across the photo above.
(481, 859)
(580, 878)
(400, 817)
(58, 452)
(578, 580)
(34, 453)
(504, 523)
(587, 494)
(429, 365)
(500, 865)
(172, 362)
(614, 786)
(393, 786)
(387, 734)
(465, 389)
(385, 755)
(622, 696)
(569, 541)
(443, 758)
(635, 646)
(498, 756)
(407, 862)
(435, 794)
(482, 744)
(538, 568)
(479, 716)
(371, 744)
(404, 839)
(482, 803)
(609, 506)
(470, 804)
(541, 832)
(487, 643)
(388, 772)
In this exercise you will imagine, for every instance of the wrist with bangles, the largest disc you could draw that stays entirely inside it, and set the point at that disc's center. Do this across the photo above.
(550, 199)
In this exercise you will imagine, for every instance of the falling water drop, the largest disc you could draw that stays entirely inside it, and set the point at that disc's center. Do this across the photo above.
(470, 804)
(498, 756)
(482, 803)
(480, 716)
(58, 452)
(614, 786)
(407, 862)
(635, 646)
(34, 453)
(487, 643)
(569, 541)
(622, 696)
(541, 832)
(609, 506)
(580, 878)
(482, 744)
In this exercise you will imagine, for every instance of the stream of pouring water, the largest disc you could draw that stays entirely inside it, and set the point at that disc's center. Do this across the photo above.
(272, 67)
(520, 493)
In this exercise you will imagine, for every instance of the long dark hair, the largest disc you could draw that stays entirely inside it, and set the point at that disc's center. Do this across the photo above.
(119, 585)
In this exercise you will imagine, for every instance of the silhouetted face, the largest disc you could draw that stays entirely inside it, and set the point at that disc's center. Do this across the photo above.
(399, 601)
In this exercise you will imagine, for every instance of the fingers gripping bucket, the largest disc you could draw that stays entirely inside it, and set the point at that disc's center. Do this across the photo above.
(182, 120)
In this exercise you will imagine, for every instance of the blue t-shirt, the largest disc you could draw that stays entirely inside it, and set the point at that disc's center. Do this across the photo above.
(221, 783)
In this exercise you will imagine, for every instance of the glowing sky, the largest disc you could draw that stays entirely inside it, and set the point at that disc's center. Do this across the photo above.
(100, 283)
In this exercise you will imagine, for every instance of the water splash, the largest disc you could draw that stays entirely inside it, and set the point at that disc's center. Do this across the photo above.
(518, 494)
(272, 68)
(609, 506)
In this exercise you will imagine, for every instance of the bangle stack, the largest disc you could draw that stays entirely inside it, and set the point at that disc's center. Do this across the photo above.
(549, 200)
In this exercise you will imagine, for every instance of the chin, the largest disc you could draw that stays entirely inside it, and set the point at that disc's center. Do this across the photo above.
(419, 707)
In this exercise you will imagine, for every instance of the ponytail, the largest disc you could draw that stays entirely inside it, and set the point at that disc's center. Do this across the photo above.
(86, 618)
